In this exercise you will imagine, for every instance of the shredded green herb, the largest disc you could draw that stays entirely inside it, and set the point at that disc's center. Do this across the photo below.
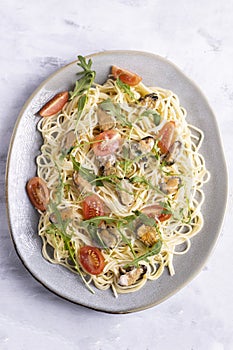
(83, 84)
(114, 110)
(125, 88)
(85, 173)
(154, 250)
(92, 229)
(150, 112)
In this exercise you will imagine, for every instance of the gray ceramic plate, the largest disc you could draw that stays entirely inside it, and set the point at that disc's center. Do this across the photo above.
(23, 218)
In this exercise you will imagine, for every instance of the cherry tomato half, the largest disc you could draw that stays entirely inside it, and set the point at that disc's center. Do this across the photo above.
(55, 105)
(92, 207)
(91, 259)
(38, 193)
(166, 136)
(106, 143)
(155, 211)
(126, 76)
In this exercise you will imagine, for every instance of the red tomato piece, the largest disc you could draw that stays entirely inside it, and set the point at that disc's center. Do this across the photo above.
(55, 105)
(166, 136)
(126, 76)
(106, 143)
(91, 259)
(155, 211)
(92, 207)
(38, 193)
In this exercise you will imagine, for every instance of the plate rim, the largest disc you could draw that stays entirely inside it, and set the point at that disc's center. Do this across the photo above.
(193, 274)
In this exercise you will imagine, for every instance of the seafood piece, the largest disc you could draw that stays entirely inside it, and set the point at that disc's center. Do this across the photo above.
(103, 160)
(146, 144)
(173, 153)
(133, 150)
(109, 169)
(149, 100)
(106, 121)
(107, 164)
(148, 235)
(81, 183)
(65, 214)
(171, 185)
(109, 235)
(125, 192)
(128, 278)
(68, 141)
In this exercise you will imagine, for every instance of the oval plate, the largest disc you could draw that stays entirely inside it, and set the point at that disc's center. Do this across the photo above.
(25, 146)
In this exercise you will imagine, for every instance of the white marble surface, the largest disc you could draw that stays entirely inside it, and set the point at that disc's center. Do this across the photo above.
(38, 37)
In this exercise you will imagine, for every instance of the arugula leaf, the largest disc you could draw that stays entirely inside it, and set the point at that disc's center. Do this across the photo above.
(92, 224)
(114, 110)
(146, 220)
(60, 224)
(125, 88)
(92, 228)
(130, 218)
(154, 250)
(155, 115)
(83, 64)
(84, 83)
(81, 104)
(98, 219)
(126, 240)
(138, 179)
(166, 208)
(85, 173)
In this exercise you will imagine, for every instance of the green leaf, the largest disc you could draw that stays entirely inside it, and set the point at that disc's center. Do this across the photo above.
(92, 228)
(138, 179)
(166, 207)
(125, 88)
(83, 64)
(85, 173)
(155, 115)
(110, 107)
(98, 219)
(61, 224)
(146, 220)
(129, 221)
(126, 240)
(154, 250)
(114, 110)
(130, 218)
(86, 80)
(81, 104)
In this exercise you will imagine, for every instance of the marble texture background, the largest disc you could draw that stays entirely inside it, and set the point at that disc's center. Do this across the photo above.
(36, 39)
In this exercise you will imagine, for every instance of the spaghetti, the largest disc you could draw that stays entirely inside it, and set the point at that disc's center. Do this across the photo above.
(131, 151)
